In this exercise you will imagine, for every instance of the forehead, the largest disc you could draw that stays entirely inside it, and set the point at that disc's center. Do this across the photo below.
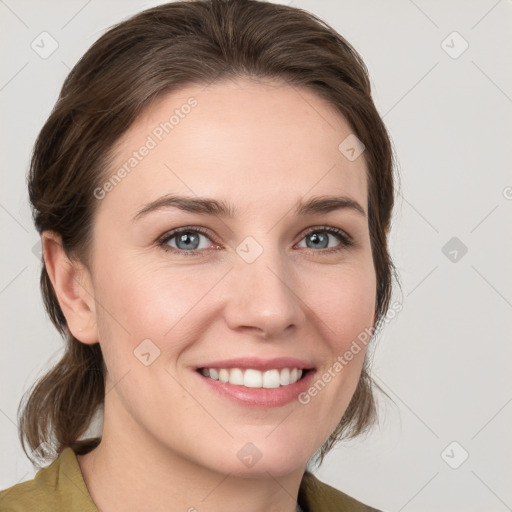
(244, 141)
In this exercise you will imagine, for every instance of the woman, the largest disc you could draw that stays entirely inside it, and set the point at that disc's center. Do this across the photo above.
(213, 192)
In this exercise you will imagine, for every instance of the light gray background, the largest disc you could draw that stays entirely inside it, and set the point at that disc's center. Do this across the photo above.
(446, 358)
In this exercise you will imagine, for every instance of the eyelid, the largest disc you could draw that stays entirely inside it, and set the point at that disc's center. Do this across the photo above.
(345, 239)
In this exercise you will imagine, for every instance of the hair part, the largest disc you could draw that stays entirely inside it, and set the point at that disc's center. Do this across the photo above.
(139, 60)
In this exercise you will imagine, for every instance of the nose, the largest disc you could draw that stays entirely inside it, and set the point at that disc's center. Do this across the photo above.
(263, 297)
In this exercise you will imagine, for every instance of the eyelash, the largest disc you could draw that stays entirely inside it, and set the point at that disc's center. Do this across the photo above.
(346, 240)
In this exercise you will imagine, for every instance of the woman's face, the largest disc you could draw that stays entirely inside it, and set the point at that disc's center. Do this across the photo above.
(264, 286)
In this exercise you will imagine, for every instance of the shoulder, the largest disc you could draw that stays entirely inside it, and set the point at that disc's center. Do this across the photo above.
(57, 487)
(316, 496)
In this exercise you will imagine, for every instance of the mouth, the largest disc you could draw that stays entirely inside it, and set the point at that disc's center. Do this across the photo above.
(257, 383)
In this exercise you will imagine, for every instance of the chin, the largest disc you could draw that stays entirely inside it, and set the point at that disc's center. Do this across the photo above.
(261, 457)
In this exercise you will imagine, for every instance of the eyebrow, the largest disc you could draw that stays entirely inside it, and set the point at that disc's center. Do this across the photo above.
(207, 206)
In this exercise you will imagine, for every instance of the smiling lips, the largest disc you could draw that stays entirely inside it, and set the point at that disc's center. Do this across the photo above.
(258, 383)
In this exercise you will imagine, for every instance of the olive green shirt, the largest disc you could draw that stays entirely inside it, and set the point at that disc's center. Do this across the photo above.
(60, 487)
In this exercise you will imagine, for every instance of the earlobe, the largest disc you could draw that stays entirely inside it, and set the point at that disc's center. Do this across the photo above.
(73, 288)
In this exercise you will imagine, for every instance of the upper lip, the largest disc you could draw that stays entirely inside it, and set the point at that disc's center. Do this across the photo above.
(260, 364)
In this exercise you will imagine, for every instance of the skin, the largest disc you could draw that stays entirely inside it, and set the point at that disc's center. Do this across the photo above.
(169, 442)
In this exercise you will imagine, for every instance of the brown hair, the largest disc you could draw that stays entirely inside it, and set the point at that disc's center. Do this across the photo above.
(138, 60)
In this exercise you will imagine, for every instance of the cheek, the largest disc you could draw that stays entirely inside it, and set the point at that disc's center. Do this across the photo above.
(345, 302)
(140, 302)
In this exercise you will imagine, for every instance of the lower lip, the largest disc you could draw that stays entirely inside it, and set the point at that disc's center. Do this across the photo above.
(262, 398)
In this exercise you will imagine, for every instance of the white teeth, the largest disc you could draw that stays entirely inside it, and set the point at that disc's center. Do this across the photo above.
(252, 378)
(236, 377)
(271, 379)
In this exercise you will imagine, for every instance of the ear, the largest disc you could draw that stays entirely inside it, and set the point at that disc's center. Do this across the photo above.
(73, 286)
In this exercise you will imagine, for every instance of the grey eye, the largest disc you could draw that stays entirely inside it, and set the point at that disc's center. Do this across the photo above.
(187, 241)
(319, 239)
